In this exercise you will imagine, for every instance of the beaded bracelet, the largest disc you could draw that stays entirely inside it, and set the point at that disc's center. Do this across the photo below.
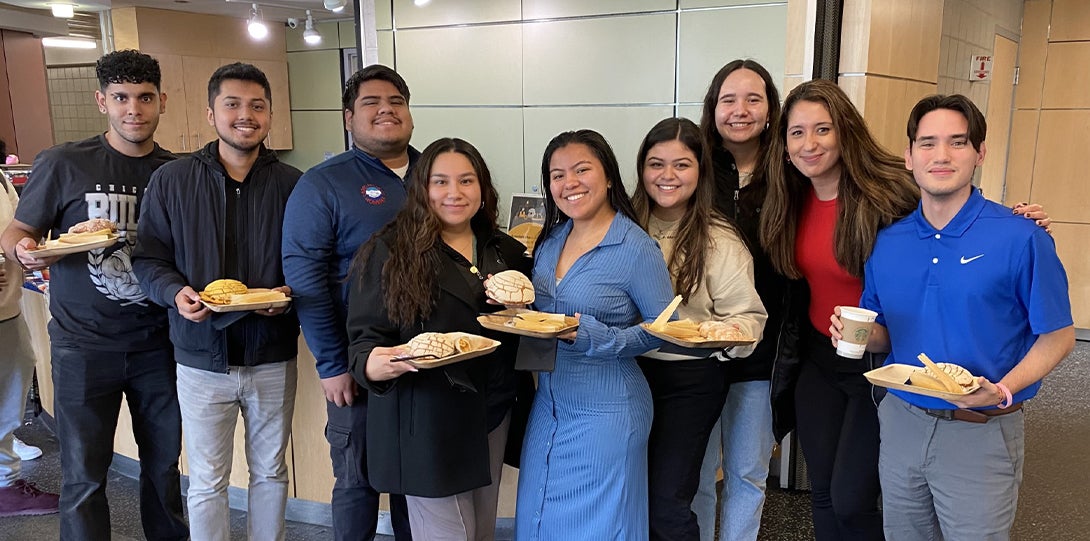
(1007, 398)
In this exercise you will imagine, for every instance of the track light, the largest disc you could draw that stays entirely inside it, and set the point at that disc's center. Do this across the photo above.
(63, 11)
(335, 5)
(310, 35)
(256, 26)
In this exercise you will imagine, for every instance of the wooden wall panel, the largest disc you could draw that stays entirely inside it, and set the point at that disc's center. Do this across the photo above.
(998, 115)
(1071, 247)
(193, 34)
(885, 104)
(1023, 148)
(126, 36)
(1033, 49)
(897, 27)
(1059, 173)
(1067, 76)
(1070, 20)
(798, 38)
(313, 470)
(855, 36)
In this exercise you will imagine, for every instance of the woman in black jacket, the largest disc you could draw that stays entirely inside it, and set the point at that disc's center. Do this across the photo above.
(436, 435)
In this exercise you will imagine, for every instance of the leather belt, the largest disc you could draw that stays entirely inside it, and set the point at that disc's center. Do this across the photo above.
(971, 416)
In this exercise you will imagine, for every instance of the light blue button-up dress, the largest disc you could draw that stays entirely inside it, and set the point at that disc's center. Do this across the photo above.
(584, 460)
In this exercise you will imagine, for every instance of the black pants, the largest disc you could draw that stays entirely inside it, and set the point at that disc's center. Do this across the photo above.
(354, 502)
(837, 417)
(688, 397)
(89, 385)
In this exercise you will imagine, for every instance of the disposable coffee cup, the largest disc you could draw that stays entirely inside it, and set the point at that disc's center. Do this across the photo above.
(857, 326)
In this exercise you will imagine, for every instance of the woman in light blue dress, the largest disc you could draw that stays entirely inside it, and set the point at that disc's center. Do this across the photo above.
(584, 459)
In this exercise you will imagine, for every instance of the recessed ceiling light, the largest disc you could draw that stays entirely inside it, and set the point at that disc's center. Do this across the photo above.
(63, 11)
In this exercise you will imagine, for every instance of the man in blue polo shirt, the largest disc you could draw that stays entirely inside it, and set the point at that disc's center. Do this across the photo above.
(965, 281)
(336, 206)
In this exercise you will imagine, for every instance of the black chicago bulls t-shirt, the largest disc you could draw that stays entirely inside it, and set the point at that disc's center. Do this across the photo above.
(95, 299)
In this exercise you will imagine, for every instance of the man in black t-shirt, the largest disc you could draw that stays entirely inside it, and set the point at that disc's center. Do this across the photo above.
(107, 338)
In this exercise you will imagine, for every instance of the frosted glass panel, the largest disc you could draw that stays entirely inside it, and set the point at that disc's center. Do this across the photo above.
(347, 31)
(306, 67)
(386, 49)
(710, 39)
(384, 19)
(462, 66)
(543, 9)
(447, 12)
(495, 133)
(316, 133)
(691, 112)
(686, 4)
(610, 60)
(623, 127)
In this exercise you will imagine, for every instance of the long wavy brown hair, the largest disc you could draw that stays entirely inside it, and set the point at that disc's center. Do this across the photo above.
(410, 274)
(874, 190)
(688, 262)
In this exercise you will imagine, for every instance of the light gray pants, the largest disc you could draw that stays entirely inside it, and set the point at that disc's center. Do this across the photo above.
(210, 404)
(468, 516)
(948, 480)
(16, 372)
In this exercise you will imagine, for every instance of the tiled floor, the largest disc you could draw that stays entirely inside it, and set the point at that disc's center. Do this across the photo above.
(1053, 503)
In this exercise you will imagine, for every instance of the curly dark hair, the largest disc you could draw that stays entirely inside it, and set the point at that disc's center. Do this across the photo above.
(240, 72)
(127, 66)
(374, 71)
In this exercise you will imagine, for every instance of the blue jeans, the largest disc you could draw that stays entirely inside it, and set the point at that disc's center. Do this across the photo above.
(16, 373)
(744, 433)
(355, 502)
(89, 385)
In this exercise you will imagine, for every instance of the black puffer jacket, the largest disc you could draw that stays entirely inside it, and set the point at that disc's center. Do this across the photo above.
(180, 242)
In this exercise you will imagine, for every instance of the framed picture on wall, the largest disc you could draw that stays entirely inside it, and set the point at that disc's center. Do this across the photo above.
(527, 218)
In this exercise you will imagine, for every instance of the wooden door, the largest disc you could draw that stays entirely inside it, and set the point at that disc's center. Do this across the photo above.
(1000, 98)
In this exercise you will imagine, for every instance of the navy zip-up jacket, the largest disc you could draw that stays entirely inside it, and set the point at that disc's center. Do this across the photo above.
(336, 207)
(180, 241)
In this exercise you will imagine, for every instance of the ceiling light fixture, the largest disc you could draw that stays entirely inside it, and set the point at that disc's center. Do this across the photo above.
(336, 6)
(256, 27)
(63, 11)
(421, 3)
(310, 35)
(69, 43)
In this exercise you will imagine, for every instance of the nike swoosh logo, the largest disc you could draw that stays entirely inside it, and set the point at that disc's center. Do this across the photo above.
(971, 259)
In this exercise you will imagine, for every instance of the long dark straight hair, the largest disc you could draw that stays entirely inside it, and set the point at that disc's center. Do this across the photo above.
(618, 197)
(410, 275)
(687, 264)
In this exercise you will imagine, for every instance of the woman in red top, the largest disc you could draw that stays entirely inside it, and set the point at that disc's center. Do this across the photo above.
(831, 188)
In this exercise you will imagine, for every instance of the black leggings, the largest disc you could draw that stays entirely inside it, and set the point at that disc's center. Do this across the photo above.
(688, 398)
(837, 417)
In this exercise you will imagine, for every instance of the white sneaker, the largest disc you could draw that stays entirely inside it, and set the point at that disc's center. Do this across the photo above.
(25, 452)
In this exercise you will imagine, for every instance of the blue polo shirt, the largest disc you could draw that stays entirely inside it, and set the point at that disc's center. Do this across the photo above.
(977, 293)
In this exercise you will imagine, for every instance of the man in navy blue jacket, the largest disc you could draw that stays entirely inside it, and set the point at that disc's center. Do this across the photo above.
(218, 214)
(336, 207)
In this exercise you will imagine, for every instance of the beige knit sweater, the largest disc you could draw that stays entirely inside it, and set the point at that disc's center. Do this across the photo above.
(726, 293)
